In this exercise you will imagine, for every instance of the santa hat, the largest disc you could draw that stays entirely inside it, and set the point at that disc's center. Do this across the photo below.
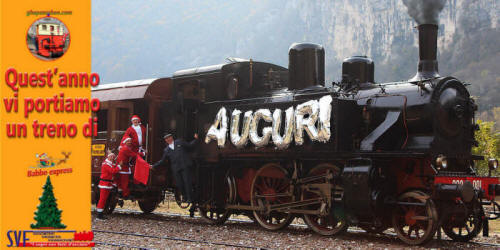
(111, 154)
(135, 117)
(127, 139)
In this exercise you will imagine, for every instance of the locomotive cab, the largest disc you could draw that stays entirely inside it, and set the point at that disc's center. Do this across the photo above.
(199, 89)
(238, 79)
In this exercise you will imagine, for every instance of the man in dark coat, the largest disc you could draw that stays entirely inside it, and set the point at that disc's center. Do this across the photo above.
(180, 163)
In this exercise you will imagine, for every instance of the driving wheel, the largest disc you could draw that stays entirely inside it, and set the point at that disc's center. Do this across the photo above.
(415, 218)
(219, 214)
(333, 220)
(270, 187)
(466, 227)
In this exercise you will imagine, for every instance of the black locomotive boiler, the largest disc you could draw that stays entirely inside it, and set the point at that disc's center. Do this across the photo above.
(277, 144)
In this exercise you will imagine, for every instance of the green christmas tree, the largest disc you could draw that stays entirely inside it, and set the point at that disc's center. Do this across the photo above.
(48, 215)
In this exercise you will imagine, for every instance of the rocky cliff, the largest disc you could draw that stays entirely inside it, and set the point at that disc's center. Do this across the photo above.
(132, 41)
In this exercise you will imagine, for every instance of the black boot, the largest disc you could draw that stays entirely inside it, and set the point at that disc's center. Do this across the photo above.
(100, 216)
(192, 209)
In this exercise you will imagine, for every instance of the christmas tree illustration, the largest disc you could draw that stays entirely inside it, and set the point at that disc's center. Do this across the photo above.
(48, 216)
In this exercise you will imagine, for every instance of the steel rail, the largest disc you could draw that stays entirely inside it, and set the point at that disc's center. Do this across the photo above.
(177, 239)
(120, 245)
(351, 230)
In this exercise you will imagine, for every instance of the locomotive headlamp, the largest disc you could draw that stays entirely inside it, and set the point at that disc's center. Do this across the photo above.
(441, 161)
(493, 163)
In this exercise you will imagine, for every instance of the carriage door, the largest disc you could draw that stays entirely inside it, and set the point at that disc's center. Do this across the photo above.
(118, 120)
(188, 96)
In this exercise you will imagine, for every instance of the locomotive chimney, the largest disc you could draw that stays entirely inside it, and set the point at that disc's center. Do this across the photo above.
(306, 65)
(427, 45)
(358, 71)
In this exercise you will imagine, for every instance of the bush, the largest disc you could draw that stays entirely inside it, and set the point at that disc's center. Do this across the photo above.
(489, 145)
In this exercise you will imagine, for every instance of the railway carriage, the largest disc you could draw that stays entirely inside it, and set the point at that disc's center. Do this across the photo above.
(119, 101)
(278, 144)
(50, 39)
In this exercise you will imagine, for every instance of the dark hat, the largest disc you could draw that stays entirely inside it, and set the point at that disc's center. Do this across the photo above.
(167, 135)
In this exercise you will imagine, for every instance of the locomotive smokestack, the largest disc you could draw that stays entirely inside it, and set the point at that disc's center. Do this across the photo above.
(426, 14)
(425, 11)
(306, 65)
(427, 45)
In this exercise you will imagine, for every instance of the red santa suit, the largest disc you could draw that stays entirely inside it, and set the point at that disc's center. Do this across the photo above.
(108, 170)
(138, 135)
(125, 155)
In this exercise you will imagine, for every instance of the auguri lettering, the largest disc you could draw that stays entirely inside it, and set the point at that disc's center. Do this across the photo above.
(312, 116)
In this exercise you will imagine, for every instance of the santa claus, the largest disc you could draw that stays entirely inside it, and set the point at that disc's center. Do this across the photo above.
(137, 133)
(108, 170)
(126, 157)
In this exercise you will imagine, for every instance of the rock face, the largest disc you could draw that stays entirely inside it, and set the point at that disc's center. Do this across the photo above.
(133, 42)
(384, 31)
(467, 39)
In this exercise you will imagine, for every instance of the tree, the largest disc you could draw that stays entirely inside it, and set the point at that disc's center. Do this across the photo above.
(48, 215)
(489, 145)
(496, 116)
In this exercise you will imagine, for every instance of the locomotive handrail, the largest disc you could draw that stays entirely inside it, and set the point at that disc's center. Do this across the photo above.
(406, 203)
(246, 100)
(275, 97)
(241, 156)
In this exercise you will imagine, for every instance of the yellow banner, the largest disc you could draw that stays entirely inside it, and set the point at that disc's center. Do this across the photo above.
(98, 150)
(44, 125)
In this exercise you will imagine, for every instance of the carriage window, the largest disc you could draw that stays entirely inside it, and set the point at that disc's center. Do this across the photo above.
(44, 27)
(123, 116)
(190, 90)
(51, 28)
(102, 124)
(102, 120)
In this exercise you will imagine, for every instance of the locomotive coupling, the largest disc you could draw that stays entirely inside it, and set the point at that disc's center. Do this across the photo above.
(452, 191)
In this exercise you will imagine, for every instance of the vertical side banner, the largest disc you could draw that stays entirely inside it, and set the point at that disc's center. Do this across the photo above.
(45, 65)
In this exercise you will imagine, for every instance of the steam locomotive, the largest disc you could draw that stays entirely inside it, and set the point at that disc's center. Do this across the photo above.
(277, 144)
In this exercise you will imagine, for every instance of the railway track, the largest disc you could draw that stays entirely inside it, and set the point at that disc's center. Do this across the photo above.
(120, 245)
(205, 242)
(135, 212)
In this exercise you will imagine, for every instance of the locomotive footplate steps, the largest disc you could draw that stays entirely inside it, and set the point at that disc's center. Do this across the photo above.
(356, 183)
